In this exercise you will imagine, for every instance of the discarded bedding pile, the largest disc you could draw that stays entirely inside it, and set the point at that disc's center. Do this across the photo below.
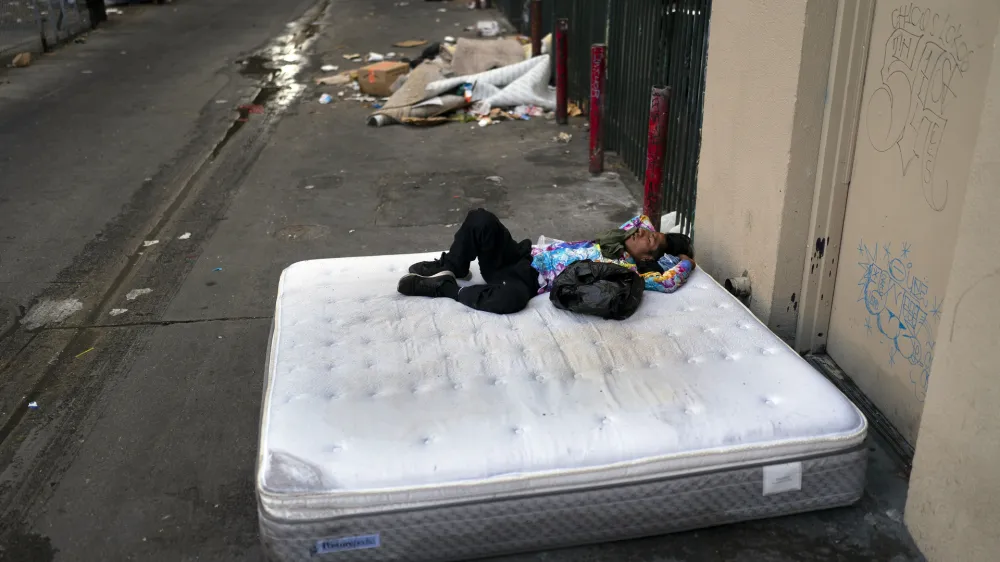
(481, 77)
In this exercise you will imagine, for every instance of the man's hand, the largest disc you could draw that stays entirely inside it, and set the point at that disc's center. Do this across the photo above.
(688, 258)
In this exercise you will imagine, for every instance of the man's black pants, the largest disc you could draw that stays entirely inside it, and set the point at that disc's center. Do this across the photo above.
(505, 264)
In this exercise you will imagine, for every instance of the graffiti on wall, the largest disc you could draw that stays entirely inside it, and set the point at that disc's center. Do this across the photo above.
(924, 60)
(901, 312)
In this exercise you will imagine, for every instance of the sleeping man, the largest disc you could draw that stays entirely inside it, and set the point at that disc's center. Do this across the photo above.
(516, 271)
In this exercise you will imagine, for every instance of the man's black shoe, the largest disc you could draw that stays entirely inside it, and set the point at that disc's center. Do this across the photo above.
(442, 284)
(435, 267)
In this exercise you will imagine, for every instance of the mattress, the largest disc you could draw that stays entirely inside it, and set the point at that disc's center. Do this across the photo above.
(391, 426)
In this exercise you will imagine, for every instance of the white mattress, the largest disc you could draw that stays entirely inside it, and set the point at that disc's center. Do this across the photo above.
(378, 402)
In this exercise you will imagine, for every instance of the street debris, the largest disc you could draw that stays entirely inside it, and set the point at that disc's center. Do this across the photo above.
(526, 112)
(377, 79)
(33, 405)
(353, 56)
(149, 243)
(184, 236)
(409, 43)
(21, 60)
(82, 353)
(375, 57)
(488, 28)
(114, 12)
(563, 138)
(217, 269)
(50, 312)
(494, 179)
(449, 40)
(118, 311)
(485, 121)
(573, 110)
(309, 187)
(136, 293)
(325, 99)
(329, 68)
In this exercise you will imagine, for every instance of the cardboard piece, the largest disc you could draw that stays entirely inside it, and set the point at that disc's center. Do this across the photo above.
(377, 79)
(410, 43)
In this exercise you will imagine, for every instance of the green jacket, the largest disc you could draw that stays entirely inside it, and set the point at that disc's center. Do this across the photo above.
(612, 242)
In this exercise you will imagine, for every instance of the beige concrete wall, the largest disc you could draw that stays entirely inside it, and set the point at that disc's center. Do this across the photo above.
(928, 67)
(953, 509)
(764, 98)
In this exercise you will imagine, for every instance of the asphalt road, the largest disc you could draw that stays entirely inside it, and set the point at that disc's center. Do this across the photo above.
(146, 359)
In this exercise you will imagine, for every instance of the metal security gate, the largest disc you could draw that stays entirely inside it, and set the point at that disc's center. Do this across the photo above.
(659, 43)
(650, 42)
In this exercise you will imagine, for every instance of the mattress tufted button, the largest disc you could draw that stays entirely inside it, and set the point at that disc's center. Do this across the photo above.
(518, 431)
(689, 411)
(723, 305)
(709, 330)
(428, 440)
(498, 382)
(605, 420)
(732, 356)
(457, 386)
(539, 378)
(769, 351)
(694, 360)
(769, 402)
(745, 326)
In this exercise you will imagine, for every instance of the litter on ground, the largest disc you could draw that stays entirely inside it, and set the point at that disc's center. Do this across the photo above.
(184, 236)
(136, 293)
(409, 43)
(21, 60)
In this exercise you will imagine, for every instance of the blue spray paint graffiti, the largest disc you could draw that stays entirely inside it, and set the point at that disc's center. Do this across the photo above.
(899, 310)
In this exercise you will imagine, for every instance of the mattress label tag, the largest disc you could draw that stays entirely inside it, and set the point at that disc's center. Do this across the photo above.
(782, 478)
(344, 544)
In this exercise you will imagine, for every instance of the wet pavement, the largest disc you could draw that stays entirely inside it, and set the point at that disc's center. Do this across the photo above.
(145, 441)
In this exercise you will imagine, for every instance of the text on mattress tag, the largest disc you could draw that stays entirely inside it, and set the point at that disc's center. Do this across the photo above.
(782, 478)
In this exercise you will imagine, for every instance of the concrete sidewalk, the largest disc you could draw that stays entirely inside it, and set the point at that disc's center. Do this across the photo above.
(161, 465)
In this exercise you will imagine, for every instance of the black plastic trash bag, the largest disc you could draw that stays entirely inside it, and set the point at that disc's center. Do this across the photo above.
(597, 288)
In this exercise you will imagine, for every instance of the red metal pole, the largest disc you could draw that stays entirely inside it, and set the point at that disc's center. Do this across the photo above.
(598, 61)
(536, 27)
(652, 199)
(562, 59)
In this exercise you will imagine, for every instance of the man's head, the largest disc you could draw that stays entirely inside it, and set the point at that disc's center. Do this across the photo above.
(646, 245)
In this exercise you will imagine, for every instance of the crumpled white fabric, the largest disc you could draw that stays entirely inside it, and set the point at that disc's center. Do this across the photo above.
(524, 83)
